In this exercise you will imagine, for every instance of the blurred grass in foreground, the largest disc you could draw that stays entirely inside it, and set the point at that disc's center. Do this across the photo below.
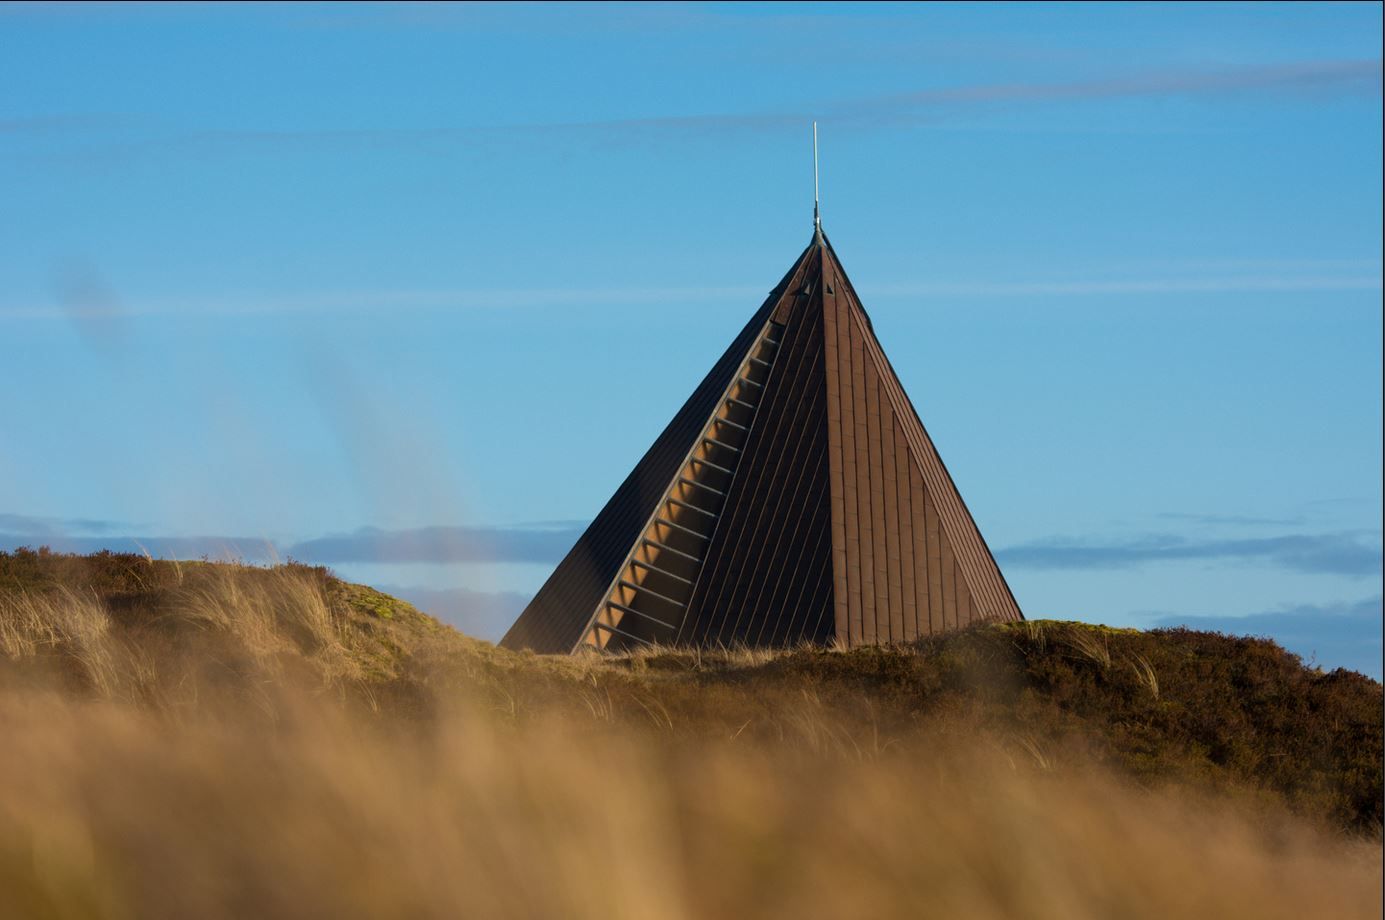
(212, 741)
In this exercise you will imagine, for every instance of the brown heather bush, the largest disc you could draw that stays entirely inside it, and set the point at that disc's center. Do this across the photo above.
(216, 741)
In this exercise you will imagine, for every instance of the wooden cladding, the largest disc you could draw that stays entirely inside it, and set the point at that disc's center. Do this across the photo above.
(795, 497)
(915, 515)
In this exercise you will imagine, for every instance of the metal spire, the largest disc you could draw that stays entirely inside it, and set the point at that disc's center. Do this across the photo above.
(817, 219)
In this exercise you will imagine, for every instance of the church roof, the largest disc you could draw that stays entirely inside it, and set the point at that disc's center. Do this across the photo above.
(795, 496)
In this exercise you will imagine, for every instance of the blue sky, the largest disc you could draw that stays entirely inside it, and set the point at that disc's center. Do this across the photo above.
(391, 287)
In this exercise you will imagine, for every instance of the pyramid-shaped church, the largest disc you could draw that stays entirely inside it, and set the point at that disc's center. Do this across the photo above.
(795, 497)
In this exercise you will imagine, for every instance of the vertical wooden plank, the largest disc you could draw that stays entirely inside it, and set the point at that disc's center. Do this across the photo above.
(880, 520)
(877, 506)
(949, 565)
(863, 486)
(898, 632)
(836, 487)
(906, 535)
(964, 605)
(851, 500)
(989, 589)
(920, 523)
(936, 621)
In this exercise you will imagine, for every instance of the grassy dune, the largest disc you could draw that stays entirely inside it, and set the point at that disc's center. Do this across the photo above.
(205, 740)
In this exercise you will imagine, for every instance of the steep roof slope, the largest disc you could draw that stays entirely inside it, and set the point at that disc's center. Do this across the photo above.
(795, 497)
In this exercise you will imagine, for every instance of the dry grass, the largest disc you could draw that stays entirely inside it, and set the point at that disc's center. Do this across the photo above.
(1145, 672)
(107, 813)
(211, 628)
(272, 743)
(280, 613)
(32, 626)
(1090, 644)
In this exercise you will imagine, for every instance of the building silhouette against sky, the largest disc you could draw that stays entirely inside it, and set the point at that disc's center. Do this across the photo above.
(795, 497)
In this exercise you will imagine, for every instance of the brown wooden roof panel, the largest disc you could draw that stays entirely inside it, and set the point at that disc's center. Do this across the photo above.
(850, 550)
(905, 516)
(831, 356)
(982, 575)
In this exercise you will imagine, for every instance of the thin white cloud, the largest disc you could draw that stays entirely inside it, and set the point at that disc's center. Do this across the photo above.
(1352, 553)
(393, 300)
(1129, 286)
(30, 525)
(528, 298)
(1340, 634)
(1329, 77)
(1295, 77)
(1298, 79)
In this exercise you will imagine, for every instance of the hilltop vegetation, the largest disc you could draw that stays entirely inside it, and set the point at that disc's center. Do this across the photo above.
(234, 720)
(1237, 714)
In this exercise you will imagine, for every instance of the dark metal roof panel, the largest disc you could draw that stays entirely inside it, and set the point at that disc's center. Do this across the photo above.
(767, 579)
(559, 613)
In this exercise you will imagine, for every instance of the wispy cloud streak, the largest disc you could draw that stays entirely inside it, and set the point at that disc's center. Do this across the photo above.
(1352, 553)
(1329, 77)
(525, 543)
(1337, 634)
(1312, 79)
(1241, 285)
(247, 549)
(537, 298)
(394, 300)
(539, 542)
(1230, 520)
(24, 524)
(1303, 77)
(1348, 553)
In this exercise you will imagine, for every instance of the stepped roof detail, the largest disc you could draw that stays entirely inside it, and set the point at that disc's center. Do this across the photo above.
(795, 496)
